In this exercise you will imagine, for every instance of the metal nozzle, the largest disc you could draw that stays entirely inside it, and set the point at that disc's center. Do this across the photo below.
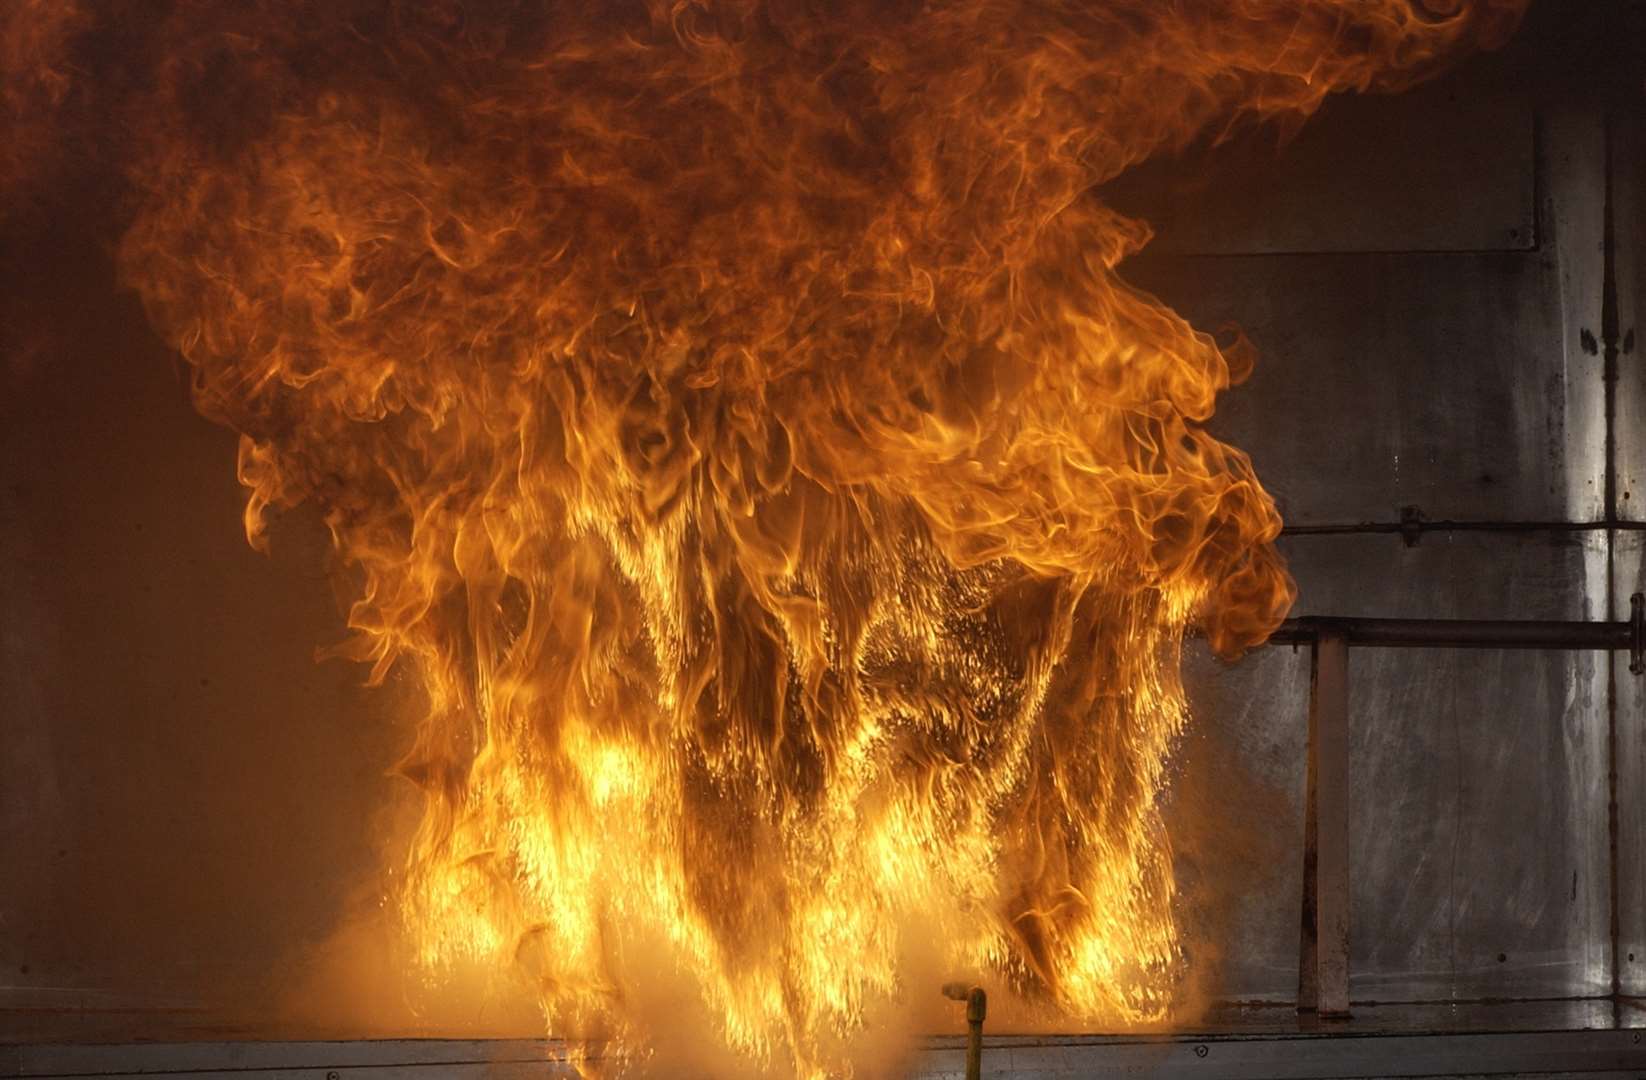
(977, 1007)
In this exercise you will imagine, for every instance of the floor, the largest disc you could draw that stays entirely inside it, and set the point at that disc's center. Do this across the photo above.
(1536, 1038)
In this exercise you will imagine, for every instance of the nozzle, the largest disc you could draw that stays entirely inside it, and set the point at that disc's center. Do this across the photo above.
(977, 1002)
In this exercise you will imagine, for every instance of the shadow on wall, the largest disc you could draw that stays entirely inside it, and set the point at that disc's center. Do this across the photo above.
(188, 801)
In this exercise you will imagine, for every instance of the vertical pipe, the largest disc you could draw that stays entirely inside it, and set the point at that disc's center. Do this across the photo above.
(1329, 709)
(1308, 981)
(1323, 961)
(977, 1006)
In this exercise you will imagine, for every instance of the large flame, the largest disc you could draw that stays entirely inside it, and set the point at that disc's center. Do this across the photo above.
(732, 415)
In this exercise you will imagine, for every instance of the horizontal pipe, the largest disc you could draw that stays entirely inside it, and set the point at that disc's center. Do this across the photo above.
(1458, 633)
(1418, 527)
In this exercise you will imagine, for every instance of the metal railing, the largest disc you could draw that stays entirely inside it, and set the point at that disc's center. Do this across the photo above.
(1323, 960)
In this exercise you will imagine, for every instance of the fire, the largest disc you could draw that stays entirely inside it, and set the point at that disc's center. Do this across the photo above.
(731, 413)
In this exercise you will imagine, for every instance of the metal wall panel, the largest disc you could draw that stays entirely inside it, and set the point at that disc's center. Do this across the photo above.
(1573, 159)
(1469, 385)
(1628, 146)
(1629, 554)
(1392, 380)
(1629, 550)
(1236, 820)
(1478, 794)
(1266, 195)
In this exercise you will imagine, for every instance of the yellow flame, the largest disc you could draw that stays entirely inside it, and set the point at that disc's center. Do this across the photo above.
(732, 416)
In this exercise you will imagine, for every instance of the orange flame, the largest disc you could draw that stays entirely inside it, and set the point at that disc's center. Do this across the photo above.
(735, 420)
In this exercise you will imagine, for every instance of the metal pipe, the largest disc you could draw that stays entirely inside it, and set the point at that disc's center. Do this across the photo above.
(1409, 529)
(1456, 633)
(1323, 983)
(977, 1007)
(1476, 633)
